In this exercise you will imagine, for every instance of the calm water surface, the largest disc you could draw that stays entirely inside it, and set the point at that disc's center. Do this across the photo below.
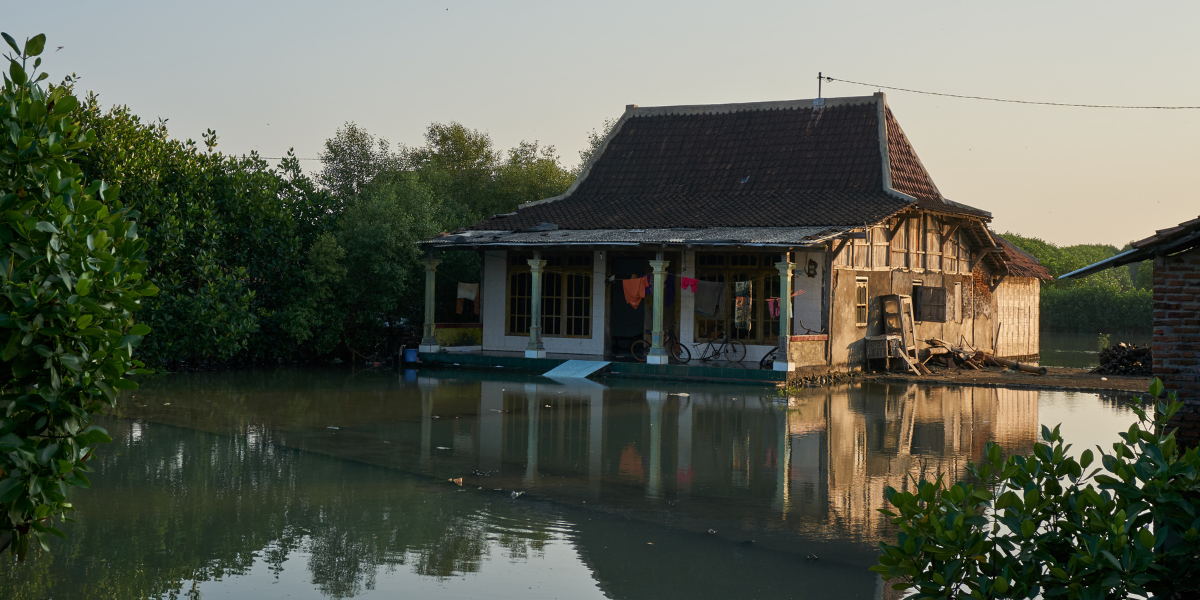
(1081, 350)
(303, 484)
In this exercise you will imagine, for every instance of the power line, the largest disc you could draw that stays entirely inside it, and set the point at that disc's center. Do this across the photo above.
(283, 157)
(899, 89)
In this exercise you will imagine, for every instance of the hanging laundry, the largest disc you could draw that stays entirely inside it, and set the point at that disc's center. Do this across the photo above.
(773, 307)
(743, 292)
(710, 298)
(688, 283)
(467, 291)
(635, 290)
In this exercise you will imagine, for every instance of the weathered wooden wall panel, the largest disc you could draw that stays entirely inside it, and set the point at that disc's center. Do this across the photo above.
(1018, 316)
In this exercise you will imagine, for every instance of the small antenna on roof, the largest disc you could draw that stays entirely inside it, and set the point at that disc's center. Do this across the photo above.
(819, 78)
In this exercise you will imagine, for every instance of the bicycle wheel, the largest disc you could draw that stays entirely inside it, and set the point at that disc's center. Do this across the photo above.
(639, 349)
(680, 353)
(768, 361)
(735, 351)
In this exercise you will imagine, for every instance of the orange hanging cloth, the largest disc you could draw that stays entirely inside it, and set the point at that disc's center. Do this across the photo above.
(635, 290)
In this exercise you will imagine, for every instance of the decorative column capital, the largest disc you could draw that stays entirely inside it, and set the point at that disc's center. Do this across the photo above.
(785, 267)
(536, 264)
(431, 264)
(659, 266)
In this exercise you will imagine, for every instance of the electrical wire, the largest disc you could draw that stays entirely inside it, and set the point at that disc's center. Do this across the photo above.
(1064, 104)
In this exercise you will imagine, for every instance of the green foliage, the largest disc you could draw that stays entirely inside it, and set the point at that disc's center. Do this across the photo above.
(358, 275)
(1118, 300)
(1098, 303)
(71, 276)
(226, 237)
(474, 181)
(1038, 525)
(352, 159)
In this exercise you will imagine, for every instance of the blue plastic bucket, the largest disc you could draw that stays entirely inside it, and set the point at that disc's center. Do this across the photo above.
(410, 355)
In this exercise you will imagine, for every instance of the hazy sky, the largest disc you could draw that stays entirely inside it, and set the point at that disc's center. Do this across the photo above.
(269, 76)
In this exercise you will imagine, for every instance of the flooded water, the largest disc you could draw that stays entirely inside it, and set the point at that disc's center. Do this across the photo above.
(295, 484)
(1081, 350)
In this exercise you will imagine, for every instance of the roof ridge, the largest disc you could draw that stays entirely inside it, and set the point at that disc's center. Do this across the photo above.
(732, 107)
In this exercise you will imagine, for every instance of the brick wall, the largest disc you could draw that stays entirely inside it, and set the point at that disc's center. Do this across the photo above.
(1177, 336)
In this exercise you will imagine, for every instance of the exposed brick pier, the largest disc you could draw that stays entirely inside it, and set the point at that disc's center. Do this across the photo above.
(1177, 336)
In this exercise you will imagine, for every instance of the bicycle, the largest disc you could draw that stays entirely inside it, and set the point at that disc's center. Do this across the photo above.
(768, 361)
(677, 351)
(732, 350)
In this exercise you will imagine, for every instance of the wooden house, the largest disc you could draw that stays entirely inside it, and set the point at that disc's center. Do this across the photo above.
(821, 203)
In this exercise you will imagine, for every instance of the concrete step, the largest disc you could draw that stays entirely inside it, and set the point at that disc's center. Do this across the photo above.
(575, 369)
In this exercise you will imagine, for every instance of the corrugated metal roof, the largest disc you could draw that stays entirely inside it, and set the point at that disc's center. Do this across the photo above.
(711, 236)
(1180, 238)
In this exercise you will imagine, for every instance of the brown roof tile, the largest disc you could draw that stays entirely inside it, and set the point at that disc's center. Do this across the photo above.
(1021, 263)
(780, 164)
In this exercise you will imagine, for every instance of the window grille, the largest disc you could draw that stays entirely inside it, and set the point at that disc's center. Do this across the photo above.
(566, 295)
(860, 302)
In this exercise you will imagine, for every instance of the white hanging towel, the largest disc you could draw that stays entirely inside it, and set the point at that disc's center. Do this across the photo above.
(468, 291)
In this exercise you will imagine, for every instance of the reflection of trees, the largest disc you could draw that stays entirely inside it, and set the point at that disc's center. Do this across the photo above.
(172, 506)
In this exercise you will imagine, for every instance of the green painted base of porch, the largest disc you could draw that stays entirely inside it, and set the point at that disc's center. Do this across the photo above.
(690, 372)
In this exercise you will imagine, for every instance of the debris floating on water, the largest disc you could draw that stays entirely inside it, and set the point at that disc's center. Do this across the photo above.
(811, 557)
(712, 532)
(457, 481)
(332, 427)
(516, 495)
(443, 447)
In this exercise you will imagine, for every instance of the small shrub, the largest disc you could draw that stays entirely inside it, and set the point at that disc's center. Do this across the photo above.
(1043, 525)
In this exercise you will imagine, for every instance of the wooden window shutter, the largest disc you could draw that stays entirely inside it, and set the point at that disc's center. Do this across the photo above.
(933, 304)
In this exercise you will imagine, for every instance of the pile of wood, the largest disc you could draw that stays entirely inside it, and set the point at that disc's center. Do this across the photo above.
(951, 355)
(964, 356)
(1126, 359)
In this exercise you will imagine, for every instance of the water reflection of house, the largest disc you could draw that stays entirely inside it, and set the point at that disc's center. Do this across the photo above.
(823, 202)
(819, 466)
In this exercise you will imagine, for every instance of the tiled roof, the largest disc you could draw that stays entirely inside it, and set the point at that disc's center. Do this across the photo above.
(908, 174)
(1169, 234)
(770, 164)
(1021, 263)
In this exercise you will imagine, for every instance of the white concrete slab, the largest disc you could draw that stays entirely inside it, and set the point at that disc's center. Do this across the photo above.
(576, 369)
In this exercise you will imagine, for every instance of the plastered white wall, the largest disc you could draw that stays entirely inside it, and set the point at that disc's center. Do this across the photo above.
(806, 307)
(687, 301)
(495, 267)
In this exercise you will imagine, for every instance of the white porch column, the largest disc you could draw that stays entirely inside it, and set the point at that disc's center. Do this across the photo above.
(658, 351)
(429, 341)
(783, 480)
(535, 349)
(596, 441)
(782, 361)
(426, 386)
(683, 453)
(534, 410)
(655, 399)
